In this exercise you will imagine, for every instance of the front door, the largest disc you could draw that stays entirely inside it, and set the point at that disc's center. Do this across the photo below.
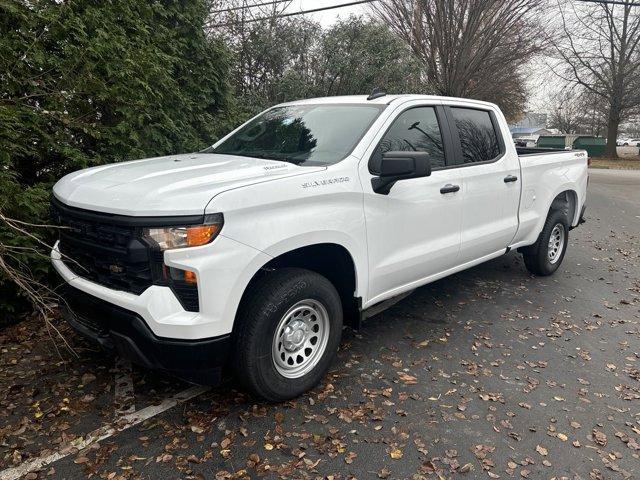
(413, 232)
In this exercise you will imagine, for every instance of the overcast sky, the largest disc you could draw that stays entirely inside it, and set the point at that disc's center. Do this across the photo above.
(328, 16)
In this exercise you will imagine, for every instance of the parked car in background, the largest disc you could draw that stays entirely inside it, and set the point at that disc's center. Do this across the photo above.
(526, 142)
(628, 142)
(254, 253)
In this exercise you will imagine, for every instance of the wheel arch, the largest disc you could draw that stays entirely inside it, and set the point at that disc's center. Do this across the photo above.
(566, 199)
(567, 202)
(330, 259)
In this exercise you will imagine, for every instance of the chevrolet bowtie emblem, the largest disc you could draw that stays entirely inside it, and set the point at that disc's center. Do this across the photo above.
(116, 269)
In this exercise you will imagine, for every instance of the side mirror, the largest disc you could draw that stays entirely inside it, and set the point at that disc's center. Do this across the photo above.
(394, 166)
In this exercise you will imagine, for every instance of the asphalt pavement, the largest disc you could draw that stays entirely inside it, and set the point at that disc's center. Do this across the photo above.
(490, 373)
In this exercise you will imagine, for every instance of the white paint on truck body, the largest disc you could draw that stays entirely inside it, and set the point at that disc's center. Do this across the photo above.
(410, 237)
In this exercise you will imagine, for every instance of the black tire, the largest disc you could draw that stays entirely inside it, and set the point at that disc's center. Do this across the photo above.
(262, 310)
(536, 257)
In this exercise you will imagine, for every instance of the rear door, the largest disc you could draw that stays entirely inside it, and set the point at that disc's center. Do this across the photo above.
(413, 232)
(490, 172)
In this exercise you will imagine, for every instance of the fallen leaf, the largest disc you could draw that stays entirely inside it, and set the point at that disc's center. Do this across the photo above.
(599, 437)
(384, 473)
(407, 379)
(396, 454)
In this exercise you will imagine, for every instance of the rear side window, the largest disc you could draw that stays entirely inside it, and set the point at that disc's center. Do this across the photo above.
(415, 130)
(478, 137)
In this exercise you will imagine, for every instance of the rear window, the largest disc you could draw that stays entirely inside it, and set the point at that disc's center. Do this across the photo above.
(478, 137)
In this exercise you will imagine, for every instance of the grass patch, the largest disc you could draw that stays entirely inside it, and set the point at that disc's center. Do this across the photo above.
(622, 163)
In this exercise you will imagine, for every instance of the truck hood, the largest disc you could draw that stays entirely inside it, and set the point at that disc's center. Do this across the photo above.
(171, 185)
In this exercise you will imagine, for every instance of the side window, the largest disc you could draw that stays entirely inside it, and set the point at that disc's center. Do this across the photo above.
(415, 130)
(478, 137)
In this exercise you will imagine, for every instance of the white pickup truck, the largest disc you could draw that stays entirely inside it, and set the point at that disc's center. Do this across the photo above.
(254, 253)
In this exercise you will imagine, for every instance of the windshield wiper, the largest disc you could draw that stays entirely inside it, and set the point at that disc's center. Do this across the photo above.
(256, 154)
(272, 156)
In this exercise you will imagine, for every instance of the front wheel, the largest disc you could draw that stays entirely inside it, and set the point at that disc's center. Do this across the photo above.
(545, 256)
(289, 330)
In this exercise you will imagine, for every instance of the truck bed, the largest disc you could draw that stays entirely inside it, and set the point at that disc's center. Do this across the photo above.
(522, 151)
(545, 173)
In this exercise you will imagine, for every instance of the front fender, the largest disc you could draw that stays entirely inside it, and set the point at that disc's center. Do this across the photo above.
(326, 237)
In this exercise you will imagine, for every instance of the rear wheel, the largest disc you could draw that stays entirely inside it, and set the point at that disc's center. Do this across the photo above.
(288, 332)
(545, 256)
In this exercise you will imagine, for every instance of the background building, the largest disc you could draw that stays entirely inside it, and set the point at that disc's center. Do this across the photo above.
(526, 131)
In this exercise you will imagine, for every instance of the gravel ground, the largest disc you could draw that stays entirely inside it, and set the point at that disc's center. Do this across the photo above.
(490, 373)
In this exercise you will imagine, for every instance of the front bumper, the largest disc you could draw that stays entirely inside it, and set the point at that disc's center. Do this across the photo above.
(224, 268)
(125, 332)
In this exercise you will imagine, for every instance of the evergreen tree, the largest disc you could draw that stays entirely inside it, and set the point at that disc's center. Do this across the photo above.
(86, 82)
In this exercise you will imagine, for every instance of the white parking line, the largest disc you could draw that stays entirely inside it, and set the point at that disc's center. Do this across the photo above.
(124, 423)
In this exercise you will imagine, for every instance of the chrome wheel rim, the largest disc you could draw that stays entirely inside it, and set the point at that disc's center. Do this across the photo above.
(300, 338)
(556, 243)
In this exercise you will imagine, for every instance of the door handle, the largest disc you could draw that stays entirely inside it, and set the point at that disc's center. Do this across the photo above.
(510, 178)
(448, 188)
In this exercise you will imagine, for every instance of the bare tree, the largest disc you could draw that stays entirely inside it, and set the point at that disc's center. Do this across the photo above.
(575, 109)
(279, 58)
(599, 50)
(251, 30)
(471, 48)
(44, 299)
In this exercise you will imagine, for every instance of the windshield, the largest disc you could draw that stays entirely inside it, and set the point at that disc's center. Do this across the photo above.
(308, 135)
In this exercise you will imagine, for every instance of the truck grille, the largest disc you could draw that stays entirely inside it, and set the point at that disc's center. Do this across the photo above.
(103, 252)
(109, 250)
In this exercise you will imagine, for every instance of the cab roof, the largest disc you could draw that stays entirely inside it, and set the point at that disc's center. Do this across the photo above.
(383, 100)
(351, 99)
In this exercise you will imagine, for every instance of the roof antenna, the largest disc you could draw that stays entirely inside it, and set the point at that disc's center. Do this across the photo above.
(377, 93)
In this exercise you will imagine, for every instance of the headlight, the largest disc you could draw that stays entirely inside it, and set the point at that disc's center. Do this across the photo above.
(169, 238)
